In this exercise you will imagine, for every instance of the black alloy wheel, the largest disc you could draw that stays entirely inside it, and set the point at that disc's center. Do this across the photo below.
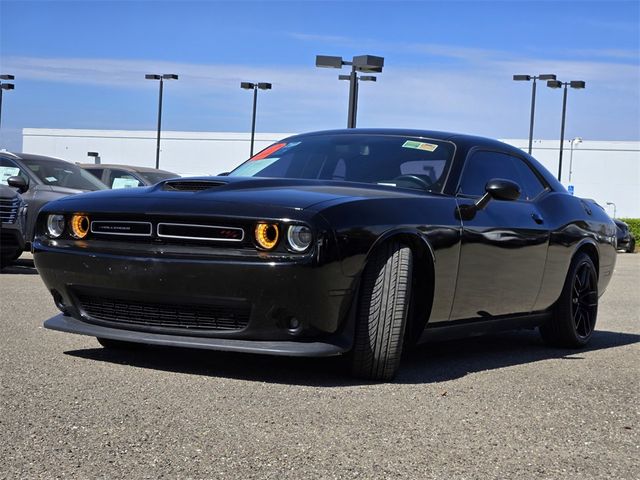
(584, 300)
(574, 314)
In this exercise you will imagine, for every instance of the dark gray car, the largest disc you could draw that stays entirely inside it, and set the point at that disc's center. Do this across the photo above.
(40, 179)
(12, 225)
(125, 176)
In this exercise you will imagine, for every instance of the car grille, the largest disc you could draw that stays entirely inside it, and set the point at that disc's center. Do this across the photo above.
(166, 315)
(9, 210)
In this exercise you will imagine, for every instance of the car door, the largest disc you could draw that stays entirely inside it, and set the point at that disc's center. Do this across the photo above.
(504, 246)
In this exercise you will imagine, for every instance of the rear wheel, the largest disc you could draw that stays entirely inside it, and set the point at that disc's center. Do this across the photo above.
(382, 313)
(575, 312)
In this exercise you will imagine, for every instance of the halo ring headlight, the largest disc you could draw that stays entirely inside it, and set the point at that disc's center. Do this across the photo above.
(79, 226)
(55, 225)
(267, 235)
(299, 237)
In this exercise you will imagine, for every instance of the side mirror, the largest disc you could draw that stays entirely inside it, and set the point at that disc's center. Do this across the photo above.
(18, 183)
(498, 189)
(495, 189)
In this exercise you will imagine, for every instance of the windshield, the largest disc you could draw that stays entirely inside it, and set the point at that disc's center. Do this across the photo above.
(63, 174)
(392, 160)
(154, 177)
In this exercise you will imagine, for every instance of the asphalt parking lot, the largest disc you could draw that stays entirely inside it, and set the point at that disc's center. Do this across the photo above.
(503, 406)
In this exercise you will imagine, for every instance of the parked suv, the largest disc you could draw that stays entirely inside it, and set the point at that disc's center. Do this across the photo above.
(40, 179)
(12, 225)
(125, 176)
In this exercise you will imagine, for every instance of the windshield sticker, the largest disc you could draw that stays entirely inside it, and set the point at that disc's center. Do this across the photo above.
(249, 169)
(429, 147)
(51, 179)
(6, 172)
(268, 151)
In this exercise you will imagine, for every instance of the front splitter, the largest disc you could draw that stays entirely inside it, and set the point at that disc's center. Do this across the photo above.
(68, 324)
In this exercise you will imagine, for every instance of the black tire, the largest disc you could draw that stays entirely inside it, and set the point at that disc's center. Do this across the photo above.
(632, 246)
(383, 305)
(111, 344)
(576, 311)
(10, 259)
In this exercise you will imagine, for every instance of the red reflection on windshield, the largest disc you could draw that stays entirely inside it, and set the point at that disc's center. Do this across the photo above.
(268, 151)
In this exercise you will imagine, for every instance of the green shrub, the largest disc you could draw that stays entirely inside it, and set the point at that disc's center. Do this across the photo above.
(634, 226)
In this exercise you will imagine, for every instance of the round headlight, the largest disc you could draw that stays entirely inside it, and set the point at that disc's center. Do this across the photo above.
(55, 225)
(267, 235)
(79, 225)
(299, 237)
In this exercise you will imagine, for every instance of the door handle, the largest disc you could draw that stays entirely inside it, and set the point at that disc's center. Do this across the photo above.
(537, 218)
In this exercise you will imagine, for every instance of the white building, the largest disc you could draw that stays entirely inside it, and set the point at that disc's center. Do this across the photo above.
(606, 171)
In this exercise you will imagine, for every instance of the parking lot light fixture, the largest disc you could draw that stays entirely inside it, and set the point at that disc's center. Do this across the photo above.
(161, 78)
(255, 87)
(574, 142)
(361, 63)
(577, 84)
(527, 78)
(5, 86)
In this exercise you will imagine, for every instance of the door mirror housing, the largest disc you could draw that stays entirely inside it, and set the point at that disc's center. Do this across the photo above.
(499, 189)
(19, 183)
(502, 189)
(495, 189)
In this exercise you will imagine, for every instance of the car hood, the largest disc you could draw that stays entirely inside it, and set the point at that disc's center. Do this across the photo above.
(228, 195)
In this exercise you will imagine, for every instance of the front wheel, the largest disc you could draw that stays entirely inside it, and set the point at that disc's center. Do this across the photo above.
(632, 246)
(384, 298)
(575, 312)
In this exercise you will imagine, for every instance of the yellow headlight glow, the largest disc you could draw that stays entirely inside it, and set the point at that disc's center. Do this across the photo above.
(79, 225)
(267, 235)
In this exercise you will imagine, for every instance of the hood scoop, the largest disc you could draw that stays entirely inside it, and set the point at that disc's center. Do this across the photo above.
(191, 185)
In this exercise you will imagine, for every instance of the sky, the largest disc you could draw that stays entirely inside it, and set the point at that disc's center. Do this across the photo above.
(448, 65)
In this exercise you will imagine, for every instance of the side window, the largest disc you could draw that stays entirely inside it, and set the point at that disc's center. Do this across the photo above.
(482, 167)
(10, 169)
(96, 172)
(122, 179)
(528, 181)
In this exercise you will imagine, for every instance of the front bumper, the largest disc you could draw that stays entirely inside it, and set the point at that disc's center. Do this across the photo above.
(67, 324)
(318, 296)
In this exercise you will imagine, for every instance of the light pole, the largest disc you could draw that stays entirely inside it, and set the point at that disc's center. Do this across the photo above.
(614, 208)
(5, 86)
(361, 63)
(559, 84)
(527, 78)
(255, 87)
(574, 141)
(162, 78)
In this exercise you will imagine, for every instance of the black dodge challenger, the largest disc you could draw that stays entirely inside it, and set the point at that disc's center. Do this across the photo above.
(354, 242)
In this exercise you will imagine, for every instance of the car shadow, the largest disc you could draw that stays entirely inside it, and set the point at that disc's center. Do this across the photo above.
(22, 266)
(430, 363)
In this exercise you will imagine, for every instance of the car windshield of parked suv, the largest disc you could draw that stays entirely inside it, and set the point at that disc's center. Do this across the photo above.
(63, 174)
(154, 177)
(393, 160)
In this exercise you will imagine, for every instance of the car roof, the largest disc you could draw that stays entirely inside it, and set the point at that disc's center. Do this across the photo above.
(129, 168)
(31, 156)
(459, 138)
